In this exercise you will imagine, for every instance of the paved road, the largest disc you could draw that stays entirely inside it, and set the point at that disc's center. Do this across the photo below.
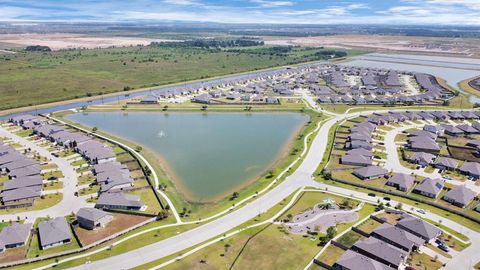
(300, 178)
(69, 203)
(393, 160)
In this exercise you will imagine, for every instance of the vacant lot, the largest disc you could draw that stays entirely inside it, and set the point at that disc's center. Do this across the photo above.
(119, 223)
(30, 78)
(61, 41)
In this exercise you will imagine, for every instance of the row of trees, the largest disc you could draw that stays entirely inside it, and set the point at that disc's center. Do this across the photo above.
(209, 43)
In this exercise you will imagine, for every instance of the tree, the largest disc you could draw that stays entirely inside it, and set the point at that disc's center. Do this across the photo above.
(234, 196)
(399, 206)
(138, 148)
(94, 129)
(331, 232)
(148, 172)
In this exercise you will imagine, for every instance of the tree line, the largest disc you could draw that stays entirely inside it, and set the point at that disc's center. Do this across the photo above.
(209, 43)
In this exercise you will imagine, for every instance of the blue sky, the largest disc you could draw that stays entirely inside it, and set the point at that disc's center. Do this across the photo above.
(456, 12)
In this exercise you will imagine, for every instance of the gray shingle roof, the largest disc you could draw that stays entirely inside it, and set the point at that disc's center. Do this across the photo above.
(431, 186)
(92, 214)
(54, 231)
(402, 180)
(472, 168)
(398, 236)
(355, 261)
(461, 194)
(119, 199)
(370, 171)
(420, 227)
(446, 162)
(381, 249)
(15, 234)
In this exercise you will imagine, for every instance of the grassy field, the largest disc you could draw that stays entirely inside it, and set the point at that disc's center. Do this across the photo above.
(32, 78)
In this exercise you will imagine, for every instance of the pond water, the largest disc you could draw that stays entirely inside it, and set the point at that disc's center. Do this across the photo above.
(452, 69)
(207, 154)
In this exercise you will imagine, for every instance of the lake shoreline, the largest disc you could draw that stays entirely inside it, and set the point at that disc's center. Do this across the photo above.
(181, 187)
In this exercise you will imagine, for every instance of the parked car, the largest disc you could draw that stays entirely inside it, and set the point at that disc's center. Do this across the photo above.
(421, 211)
(444, 248)
(372, 194)
(386, 198)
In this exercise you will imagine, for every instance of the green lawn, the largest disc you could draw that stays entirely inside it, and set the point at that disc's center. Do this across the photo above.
(54, 174)
(89, 190)
(79, 162)
(369, 225)
(350, 238)
(86, 179)
(331, 255)
(48, 201)
(24, 132)
(423, 261)
(36, 251)
(52, 185)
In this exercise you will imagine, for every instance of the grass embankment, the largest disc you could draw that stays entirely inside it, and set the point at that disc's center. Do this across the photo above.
(259, 247)
(465, 86)
(32, 78)
(196, 210)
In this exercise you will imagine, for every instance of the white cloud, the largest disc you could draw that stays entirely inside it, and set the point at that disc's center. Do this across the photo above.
(272, 4)
(182, 2)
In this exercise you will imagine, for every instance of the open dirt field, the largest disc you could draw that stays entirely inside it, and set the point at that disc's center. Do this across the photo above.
(119, 223)
(62, 41)
(467, 47)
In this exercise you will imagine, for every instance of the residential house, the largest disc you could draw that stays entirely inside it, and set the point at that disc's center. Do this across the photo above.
(370, 172)
(445, 163)
(397, 237)
(401, 181)
(422, 158)
(430, 187)
(91, 218)
(120, 200)
(381, 251)
(418, 227)
(54, 232)
(15, 235)
(351, 260)
(460, 196)
(471, 169)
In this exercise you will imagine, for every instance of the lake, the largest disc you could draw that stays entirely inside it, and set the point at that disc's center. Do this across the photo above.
(207, 154)
(451, 69)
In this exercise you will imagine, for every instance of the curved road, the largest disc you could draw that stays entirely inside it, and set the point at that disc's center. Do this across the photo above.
(302, 177)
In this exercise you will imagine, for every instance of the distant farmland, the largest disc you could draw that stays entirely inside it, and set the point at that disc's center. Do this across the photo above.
(31, 78)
